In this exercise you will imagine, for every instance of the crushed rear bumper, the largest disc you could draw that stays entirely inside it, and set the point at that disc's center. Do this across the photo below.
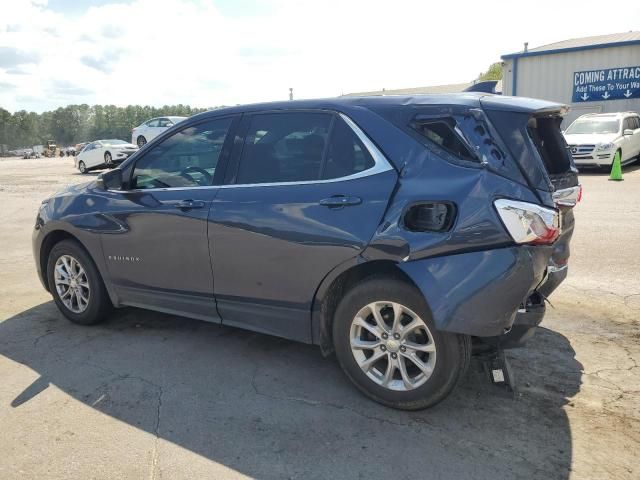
(480, 293)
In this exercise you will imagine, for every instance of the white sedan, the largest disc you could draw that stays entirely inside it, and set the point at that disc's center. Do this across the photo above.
(103, 153)
(152, 128)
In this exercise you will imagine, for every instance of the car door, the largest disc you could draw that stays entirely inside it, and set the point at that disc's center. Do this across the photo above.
(635, 126)
(629, 142)
(157, 249)
(152, 129)
(305, 193)
(91, 155)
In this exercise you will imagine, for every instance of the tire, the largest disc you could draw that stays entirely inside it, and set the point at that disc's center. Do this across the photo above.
(451, 352)
(97, 305)
(141, 141)
(108, 161)
(82, 167)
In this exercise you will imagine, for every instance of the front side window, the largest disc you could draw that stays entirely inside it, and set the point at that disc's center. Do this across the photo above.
(284, 147)
(187, 158)
(152, 123)
(164, 122)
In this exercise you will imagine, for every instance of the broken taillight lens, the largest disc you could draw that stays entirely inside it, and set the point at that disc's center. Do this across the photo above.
(528, 222)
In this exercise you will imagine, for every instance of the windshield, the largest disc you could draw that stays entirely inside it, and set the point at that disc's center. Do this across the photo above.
(593, 126)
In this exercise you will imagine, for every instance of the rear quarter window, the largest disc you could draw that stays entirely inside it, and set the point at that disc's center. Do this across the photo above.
(444, 133)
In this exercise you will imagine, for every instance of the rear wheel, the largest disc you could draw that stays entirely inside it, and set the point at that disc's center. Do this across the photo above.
(76, 285)
(387, 344)
(141, 141)
(107, 159)
(82, 167)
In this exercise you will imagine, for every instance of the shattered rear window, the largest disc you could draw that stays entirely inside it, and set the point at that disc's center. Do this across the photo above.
(444, 133)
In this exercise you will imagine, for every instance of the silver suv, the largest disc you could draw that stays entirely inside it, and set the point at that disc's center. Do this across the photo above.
(595, 138)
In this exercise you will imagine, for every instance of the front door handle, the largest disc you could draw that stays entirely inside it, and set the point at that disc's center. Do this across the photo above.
(339, 201)
(189, 204)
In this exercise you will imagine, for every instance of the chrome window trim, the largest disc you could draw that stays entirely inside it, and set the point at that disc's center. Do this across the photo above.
(381, 165)
(164, 189)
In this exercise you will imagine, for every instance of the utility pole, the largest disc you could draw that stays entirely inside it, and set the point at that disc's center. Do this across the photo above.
(291, 94)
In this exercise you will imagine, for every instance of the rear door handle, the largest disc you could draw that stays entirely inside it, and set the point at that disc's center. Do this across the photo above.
(338, 201)
(189, 204)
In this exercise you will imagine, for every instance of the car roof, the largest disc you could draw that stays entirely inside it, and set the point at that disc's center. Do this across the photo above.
(469, 99)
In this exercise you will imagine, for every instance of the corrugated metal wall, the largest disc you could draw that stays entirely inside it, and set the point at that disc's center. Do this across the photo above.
(550, 77)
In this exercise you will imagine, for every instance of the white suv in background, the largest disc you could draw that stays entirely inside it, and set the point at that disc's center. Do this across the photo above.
(595, 138)
(152, 128)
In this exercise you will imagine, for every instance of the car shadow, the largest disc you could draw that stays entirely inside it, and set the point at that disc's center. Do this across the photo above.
(271, 408)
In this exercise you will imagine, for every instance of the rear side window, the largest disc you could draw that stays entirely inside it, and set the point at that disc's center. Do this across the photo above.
(284, 147)
(300, 146)
(444, 133)
(346, 154)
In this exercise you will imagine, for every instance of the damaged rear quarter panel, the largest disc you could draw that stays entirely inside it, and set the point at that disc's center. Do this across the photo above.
(478, 293)
(473, 276)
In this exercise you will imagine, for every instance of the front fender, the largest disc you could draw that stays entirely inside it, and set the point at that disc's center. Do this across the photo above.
(478, 293)
(62, 217)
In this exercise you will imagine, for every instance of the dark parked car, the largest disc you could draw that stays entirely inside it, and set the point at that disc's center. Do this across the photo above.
(403, 233)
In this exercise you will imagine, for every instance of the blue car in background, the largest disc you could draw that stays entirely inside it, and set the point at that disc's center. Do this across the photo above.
(401, 233)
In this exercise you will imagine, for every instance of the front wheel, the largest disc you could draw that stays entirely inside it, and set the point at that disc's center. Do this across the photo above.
(82, 167)
(387, 345)
(107, 159)
(76, 285)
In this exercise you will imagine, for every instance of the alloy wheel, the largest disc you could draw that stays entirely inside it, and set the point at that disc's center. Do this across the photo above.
(141, 141)
(107, 158)
(72, 284)
(393, 346)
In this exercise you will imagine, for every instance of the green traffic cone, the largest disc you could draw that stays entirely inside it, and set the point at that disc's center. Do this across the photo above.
(616, 168)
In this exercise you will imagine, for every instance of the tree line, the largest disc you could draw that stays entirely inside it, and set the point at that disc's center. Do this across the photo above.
(79, 123)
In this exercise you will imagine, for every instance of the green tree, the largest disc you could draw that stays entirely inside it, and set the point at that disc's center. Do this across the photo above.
(80, 123)
(493, 73)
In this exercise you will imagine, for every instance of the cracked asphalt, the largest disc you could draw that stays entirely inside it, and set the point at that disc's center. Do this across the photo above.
(155, 396)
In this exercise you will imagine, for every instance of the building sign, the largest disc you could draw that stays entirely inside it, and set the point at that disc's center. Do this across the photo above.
(608, 84)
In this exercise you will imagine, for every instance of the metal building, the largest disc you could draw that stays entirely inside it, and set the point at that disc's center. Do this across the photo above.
(594, 74)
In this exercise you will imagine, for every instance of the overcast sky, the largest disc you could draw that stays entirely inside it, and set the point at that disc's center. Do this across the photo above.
(222, 52)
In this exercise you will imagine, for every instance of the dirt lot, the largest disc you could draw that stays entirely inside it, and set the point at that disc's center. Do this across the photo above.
(155, 396)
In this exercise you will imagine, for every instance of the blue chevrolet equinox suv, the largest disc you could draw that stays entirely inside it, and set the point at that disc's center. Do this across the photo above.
(401, 233)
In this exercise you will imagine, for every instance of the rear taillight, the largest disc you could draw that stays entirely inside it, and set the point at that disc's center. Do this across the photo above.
(528, 222)
(568, 197)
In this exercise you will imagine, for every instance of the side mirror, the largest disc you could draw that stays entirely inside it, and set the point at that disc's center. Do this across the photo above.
(627, 131)
(111, 180)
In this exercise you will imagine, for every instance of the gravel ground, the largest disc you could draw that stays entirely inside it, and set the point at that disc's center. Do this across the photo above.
(147, 395)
